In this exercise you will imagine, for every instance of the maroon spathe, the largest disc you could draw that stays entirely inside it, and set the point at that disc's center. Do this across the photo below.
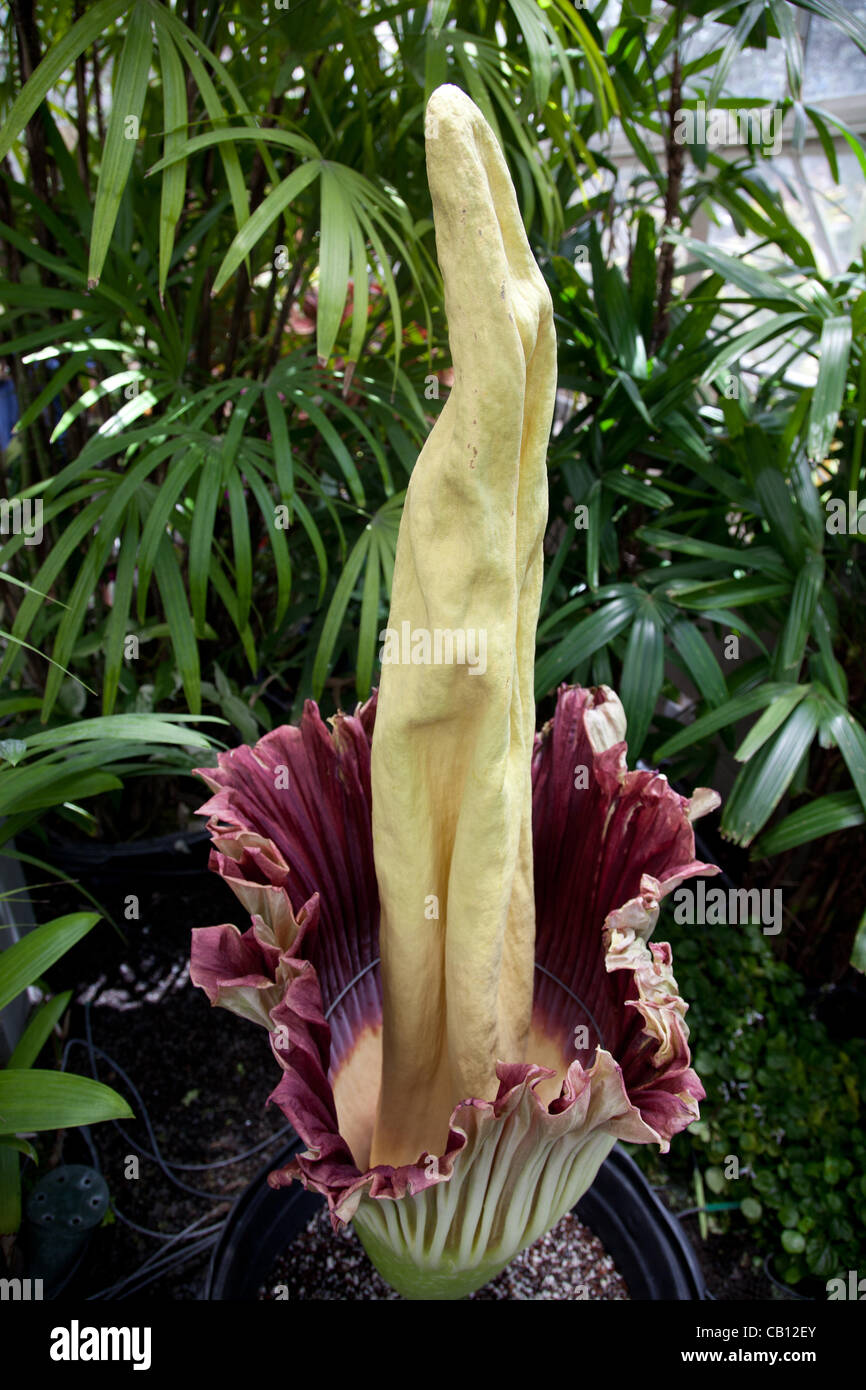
(291, 825)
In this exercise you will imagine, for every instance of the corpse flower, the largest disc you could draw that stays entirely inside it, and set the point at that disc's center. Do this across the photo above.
(451, 913)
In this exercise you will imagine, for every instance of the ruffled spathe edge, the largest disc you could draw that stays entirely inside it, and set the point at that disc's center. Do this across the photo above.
(278, 986)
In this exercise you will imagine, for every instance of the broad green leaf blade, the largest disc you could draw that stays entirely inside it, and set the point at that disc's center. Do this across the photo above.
(130, 90)
(276, 413)
(369, 625)
(795, 634)
(530, 18)
(641, 681)
(777, 504)
(334, 245)
(637, 489)
(593, 535)
(179, 619)
(699, 661)
(586, 637)
(39, 1030)
(765, 779)
(835, 349)
(39, 1100)
(175, 122)
(135, 728)
(241, 546)
(772, 719)
(851, 742)
(27, 959)
(263, 218)
(731, 712)
(201, 540)
(825, 816)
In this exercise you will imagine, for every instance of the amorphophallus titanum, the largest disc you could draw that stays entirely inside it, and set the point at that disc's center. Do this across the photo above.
(456, 1101)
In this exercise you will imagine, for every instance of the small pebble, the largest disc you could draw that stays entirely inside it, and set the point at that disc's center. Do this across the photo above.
(567, 1263)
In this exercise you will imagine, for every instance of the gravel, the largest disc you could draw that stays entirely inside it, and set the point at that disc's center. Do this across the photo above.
(567, 1263)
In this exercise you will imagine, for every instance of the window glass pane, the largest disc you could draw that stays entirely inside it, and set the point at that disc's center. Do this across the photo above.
(755, 72)
(835, 66)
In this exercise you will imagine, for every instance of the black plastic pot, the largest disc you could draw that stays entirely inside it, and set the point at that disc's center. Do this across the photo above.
(642, 1238)
(101, 864)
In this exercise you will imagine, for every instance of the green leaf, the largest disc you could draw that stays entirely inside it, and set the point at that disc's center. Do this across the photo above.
(279, 544)
(798, 623)
(39, 1030)
(241, 547)
(369, 624)
(175, 117)
(201, 541)
(21, 1146)
(96, 20)
(263, 218)
(699, 661)
(529, 16)
(585, 638)
(179, 619)
(765, 779)
(115, 633)
(733, 349)
(851, 742)
(10, 1190)
(136, 728)
(636, 489)
(27, 959)
(276, 413)
(641, 680)
(40, 1100)
(337, 610)
(739, 592)
(778, 507)
(760, 558)
(129, 91)
(827, 815)
(835, 349)
(334, 246)
(772, 719)
(593, 534)
(731, 712)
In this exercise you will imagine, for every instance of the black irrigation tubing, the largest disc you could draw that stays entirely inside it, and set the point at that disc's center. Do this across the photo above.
(192, 1241)
(158, 1235)
(149, 1273)
(156, 1155)
(180, 1258)
(159, 1257)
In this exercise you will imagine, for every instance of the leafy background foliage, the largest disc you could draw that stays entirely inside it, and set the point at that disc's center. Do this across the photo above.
(224, 324)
